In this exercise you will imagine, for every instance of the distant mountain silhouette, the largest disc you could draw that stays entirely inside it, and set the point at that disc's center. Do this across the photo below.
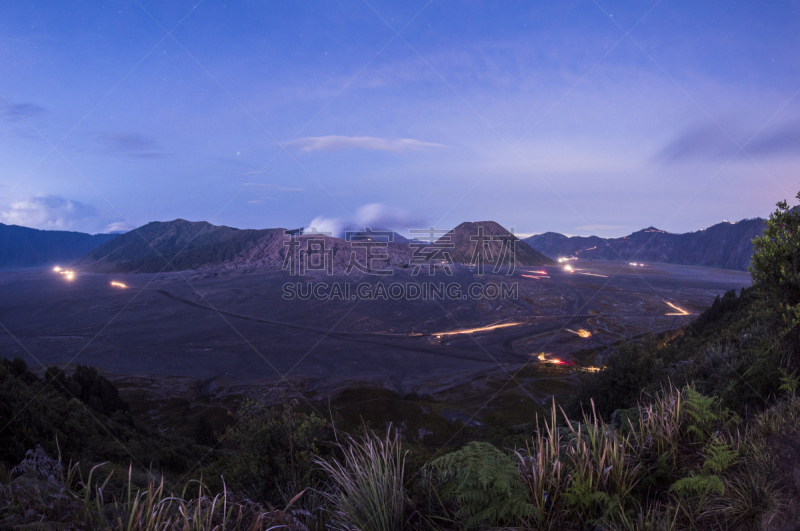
(24, 247)
(484, 240)
(724, 245)
(185, 245)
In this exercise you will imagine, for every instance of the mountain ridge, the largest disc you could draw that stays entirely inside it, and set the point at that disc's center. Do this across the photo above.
(198, 245)
(180, 245)
(22, 247)
(724, 245)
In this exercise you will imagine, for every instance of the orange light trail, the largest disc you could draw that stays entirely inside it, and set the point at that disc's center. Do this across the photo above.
(118, 284)
(595, 275)
(474, 330)
(537, 278)
(543, 357)
(581, 332)
(681, 311)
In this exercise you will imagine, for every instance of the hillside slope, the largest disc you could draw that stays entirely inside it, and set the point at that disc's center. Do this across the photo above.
(25, 247)
(185, 245)
(470, 238)
(724, 245)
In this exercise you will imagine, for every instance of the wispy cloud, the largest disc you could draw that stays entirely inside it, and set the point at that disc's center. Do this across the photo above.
(369, 143)
(119, 226)
(16, 111)
(129, 144)
(781, 140)
(709, 142)
(47, 212)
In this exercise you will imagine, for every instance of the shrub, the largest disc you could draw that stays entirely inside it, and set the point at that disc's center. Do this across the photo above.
(368, 484)
(33, 413)
(274, 450)
(776, 263)
(88, 386)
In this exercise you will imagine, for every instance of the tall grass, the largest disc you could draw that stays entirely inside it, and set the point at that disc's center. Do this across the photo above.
(84, 504)
(582, 473)
(659, 427)
(367, 490)
(651, 474)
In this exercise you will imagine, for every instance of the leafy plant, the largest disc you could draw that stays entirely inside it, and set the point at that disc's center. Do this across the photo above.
(776, 263)
(698, 484)
(789, 382)
(719, 456)
(486, 485)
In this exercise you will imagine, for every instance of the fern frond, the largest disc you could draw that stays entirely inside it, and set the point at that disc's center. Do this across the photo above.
(698, 484)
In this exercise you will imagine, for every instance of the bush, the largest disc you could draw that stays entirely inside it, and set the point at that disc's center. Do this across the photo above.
(274, 450)
(776, 263)
(630, 369)
(34, 413)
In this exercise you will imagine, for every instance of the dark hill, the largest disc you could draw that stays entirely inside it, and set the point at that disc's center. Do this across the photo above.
(724, 245)
(25, 247)
(201, 245)
(185, 244)
(469, 238)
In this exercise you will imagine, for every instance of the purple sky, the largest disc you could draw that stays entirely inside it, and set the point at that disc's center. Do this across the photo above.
(541, 116)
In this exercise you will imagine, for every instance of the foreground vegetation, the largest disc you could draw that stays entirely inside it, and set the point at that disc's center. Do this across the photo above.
(697, 428)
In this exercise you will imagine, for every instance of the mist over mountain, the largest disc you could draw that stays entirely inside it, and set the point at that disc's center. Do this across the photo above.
(26, 247)
(724, 245)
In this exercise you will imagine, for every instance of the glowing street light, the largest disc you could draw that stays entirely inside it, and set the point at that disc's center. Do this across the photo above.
(56, 269)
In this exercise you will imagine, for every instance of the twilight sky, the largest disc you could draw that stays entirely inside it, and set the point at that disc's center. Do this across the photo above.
(579, 117)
